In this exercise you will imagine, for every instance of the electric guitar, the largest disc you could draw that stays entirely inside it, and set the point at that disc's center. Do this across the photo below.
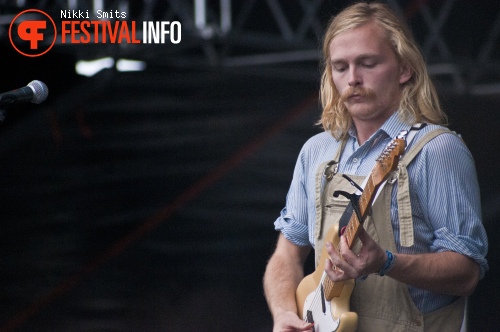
(322, 301)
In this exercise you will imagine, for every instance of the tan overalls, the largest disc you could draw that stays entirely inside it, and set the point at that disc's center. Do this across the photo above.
(382, 303)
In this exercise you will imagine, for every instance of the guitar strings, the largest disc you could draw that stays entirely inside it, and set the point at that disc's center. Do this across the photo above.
(316, 302)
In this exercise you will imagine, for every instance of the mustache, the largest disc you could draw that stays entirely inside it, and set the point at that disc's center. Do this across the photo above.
(359, 91)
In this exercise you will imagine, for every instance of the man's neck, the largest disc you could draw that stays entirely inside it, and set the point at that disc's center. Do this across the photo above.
(366, 128)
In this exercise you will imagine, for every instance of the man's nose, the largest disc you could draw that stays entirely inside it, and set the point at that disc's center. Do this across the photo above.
(354, 77)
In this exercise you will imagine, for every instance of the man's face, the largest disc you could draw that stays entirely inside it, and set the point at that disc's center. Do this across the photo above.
(367, 74)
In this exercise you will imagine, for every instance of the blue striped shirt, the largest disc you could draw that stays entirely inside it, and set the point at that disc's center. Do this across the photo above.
(444, 195)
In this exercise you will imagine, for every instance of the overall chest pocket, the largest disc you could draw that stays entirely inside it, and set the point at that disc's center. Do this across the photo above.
(333, 211)
(335, 207)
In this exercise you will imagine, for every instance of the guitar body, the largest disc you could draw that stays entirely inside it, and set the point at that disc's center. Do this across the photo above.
(337, 316)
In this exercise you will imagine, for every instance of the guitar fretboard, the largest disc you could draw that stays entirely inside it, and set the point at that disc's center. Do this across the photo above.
(352, 229)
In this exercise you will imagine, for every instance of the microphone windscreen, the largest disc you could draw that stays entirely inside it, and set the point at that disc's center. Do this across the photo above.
(40, 91)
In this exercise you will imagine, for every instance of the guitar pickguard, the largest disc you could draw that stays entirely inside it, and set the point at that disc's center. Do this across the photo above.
(323, 319)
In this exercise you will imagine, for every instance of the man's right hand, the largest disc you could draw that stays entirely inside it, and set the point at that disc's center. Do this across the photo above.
(288, 321)
(283, 274)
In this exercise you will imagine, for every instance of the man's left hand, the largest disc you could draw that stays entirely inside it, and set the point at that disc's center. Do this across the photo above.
(371, 259)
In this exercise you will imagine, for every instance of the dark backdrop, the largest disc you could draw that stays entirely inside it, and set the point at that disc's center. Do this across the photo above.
(145, 201)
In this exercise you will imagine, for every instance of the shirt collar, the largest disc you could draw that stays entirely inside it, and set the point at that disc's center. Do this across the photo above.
(390, 128)
(394, 125)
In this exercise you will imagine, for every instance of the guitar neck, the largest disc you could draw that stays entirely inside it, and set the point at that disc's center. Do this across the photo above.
(352, 229)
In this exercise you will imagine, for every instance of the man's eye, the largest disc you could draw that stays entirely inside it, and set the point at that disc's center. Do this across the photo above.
(369, 64)
(339, 69)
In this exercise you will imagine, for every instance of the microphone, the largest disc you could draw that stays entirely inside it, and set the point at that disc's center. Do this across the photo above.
(35, 92)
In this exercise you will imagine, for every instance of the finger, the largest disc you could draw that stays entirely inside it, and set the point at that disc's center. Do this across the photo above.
(330, 266)
(307, 327)
(335, 256)
(347, 254)
(330, 249)
(333, 271)
(344, 266)
(302, 326)
(289, 321)
(332, 252)
(335, 259)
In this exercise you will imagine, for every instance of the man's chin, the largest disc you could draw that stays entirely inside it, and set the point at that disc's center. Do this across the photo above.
(360, 109)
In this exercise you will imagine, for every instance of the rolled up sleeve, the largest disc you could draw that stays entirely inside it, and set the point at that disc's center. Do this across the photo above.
(294, 231)
(293, 219)
(468, 246)
(453, 202)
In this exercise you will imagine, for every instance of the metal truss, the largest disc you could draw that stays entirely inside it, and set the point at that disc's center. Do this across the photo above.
(257, 32)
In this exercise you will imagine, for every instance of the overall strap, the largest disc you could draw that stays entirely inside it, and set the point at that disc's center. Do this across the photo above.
(325, 172)
(406, 235)
(414, 150)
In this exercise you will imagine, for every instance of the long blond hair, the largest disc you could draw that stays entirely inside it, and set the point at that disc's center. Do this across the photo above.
(419, 100)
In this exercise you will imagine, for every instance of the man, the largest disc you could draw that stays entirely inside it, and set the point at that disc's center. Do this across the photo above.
(423, 248)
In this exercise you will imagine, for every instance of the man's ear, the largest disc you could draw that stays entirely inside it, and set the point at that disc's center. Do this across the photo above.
(405, 73)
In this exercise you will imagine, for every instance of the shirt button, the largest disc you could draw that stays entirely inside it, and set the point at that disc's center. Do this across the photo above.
(355, 160)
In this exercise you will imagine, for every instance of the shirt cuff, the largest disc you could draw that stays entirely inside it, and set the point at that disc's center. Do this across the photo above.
(294, 231)
(447, 241)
